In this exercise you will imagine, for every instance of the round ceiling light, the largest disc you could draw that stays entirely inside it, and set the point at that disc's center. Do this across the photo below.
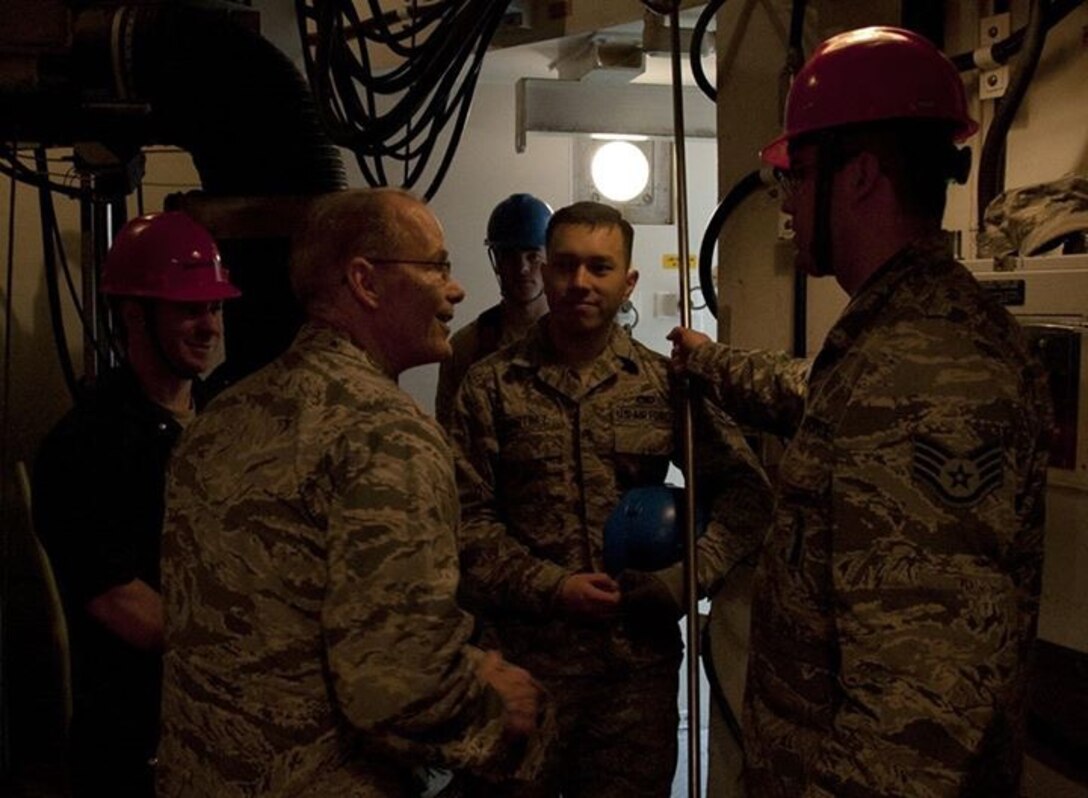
(620, 170)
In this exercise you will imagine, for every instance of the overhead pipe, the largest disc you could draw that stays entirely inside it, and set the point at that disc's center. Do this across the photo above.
(194, 77)
(228, 96)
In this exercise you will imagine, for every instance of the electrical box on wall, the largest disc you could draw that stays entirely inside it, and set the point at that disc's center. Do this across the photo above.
(1049, 296)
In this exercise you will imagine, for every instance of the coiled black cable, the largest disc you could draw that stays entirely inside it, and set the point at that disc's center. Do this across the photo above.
(397, 115)
(52, 285)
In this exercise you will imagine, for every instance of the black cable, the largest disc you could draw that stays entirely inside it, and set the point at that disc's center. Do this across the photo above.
(991, 175)
(48, 220)
(695, 53)
(741, 191)
(58, 242)
(797, 28)
(397, 115)
(89, 333)
(38, 179)
(1007, 48)
(710, 668)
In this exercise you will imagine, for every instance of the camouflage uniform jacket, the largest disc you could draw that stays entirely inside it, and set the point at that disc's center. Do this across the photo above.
(543, 459)
(309, 576)
(896, 598)
(483, 335)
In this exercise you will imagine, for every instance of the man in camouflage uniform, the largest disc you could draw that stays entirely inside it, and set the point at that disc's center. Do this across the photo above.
(515, 245)
(896, 599)
(314, 644)
(551, 432)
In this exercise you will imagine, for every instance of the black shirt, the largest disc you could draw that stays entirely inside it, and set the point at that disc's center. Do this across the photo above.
(98, 508)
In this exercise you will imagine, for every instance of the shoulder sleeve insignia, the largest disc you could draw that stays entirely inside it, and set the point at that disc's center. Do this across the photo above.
(957, 480)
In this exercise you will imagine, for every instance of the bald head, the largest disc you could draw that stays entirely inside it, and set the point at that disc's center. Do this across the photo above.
(371, 222)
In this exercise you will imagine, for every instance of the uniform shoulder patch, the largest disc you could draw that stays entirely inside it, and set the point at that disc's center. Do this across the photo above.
(956, 479)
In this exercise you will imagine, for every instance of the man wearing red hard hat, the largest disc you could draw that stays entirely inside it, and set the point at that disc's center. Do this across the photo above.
(98, 492)
(896, 597)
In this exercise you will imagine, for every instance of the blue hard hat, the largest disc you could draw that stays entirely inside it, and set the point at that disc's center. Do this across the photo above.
(518, 222)
(645, 530)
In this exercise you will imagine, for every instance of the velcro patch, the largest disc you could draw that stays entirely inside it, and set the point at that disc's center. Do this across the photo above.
(958, 480)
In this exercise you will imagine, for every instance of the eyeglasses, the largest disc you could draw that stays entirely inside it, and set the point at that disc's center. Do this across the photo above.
(789, 180)
(442, 266)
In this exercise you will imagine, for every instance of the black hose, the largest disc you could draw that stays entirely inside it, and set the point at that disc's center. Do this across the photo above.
(233, 100)
(725, 709)
(39, 179)
(695, 53)
(52, 286)
(396, 115)
(797, 28)
(991, 171)
(1007, 48)
(741, 191)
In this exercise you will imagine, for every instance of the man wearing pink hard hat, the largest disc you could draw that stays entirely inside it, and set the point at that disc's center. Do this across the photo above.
(98, 491)
(896, 597)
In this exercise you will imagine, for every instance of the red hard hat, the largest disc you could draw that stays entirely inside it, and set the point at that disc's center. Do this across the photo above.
(166, 256)
(869, 75)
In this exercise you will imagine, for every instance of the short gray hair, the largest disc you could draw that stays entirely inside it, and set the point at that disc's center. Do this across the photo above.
(341, 226)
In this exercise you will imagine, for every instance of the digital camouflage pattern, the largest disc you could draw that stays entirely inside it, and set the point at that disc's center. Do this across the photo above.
(314, 643)
(617, 739)
(1032, 219)
(543, 458)
(896, 598)
(476, 340)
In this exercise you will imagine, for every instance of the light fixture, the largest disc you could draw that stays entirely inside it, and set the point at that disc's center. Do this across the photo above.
(620, 170)
(629, 173)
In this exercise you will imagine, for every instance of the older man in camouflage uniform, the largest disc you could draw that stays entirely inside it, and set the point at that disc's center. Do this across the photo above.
(552, 431)
(314, 644)
(896, 600)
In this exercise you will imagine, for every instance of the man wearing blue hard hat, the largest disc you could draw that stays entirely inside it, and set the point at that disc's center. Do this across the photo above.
(552, 433)
(515, 246)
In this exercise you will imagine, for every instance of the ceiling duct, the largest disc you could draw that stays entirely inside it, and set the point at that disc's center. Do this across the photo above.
(572, 106)
(529, 21)
(600, 60)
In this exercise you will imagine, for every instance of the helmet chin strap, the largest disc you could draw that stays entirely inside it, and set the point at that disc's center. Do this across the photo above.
(826, 160)
(495, 268)
(521, 302)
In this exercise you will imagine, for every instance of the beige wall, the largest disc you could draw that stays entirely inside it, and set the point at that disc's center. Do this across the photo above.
(1048, 139)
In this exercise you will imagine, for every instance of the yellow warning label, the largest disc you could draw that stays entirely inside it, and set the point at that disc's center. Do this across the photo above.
(672, 261)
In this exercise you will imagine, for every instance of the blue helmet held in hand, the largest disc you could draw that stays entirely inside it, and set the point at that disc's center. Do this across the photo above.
(645, 530)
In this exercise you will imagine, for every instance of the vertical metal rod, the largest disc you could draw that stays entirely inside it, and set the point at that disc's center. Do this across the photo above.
(91, 225)
(108, 355)
(691, 581)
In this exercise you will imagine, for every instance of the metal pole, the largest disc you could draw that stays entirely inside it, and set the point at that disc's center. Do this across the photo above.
(691, 581)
